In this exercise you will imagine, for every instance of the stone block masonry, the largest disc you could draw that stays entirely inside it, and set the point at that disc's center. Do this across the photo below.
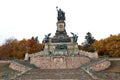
(5, 61)
(101, 66)
(59, 62)
(19, 67)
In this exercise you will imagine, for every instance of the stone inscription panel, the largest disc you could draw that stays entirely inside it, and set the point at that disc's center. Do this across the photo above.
(58, 40)
(59, 62)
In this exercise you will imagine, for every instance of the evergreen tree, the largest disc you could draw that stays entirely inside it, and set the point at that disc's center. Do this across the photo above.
(89, 39)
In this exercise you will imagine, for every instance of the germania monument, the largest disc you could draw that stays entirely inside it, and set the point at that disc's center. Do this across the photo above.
(60, 51)
(60, 59)
(61, 43)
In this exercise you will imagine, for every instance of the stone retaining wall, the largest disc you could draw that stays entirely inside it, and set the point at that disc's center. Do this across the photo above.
(4, 61)
(101, 66)
(114, 59)
(19, 67)
(89, 54)
(59, 62)
(83, 53)
(16, 66)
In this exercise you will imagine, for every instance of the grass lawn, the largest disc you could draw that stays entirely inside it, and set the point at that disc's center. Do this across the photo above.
(115, 67)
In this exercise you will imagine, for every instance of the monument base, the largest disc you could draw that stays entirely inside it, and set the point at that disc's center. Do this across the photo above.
(59, 62)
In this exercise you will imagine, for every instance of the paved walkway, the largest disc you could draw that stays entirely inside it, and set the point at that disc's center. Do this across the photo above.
(53, 74)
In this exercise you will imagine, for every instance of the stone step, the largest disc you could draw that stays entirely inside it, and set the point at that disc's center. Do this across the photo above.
(55, 74)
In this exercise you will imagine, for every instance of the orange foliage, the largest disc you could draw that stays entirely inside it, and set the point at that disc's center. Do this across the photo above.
(108, 46)
(34, 47)
(17, 49)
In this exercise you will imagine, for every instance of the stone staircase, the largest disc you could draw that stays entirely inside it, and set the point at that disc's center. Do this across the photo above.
(53, 74)
(95, 61)
(25, 63)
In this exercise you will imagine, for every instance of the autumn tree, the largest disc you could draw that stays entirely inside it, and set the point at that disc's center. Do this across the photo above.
(108, 46)
(33, 46)
(7, 48)
(12, 48)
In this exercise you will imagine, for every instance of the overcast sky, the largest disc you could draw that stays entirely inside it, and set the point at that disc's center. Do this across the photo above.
(26, 18)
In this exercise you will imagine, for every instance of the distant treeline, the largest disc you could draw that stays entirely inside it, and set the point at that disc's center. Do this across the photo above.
(12, 48)
(109, 46)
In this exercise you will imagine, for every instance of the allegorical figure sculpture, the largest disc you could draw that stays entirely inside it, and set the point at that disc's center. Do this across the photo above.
(75, 37)
(45, 40)
(61, 15)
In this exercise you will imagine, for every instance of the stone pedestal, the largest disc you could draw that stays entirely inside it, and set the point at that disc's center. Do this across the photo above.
(61, 43)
